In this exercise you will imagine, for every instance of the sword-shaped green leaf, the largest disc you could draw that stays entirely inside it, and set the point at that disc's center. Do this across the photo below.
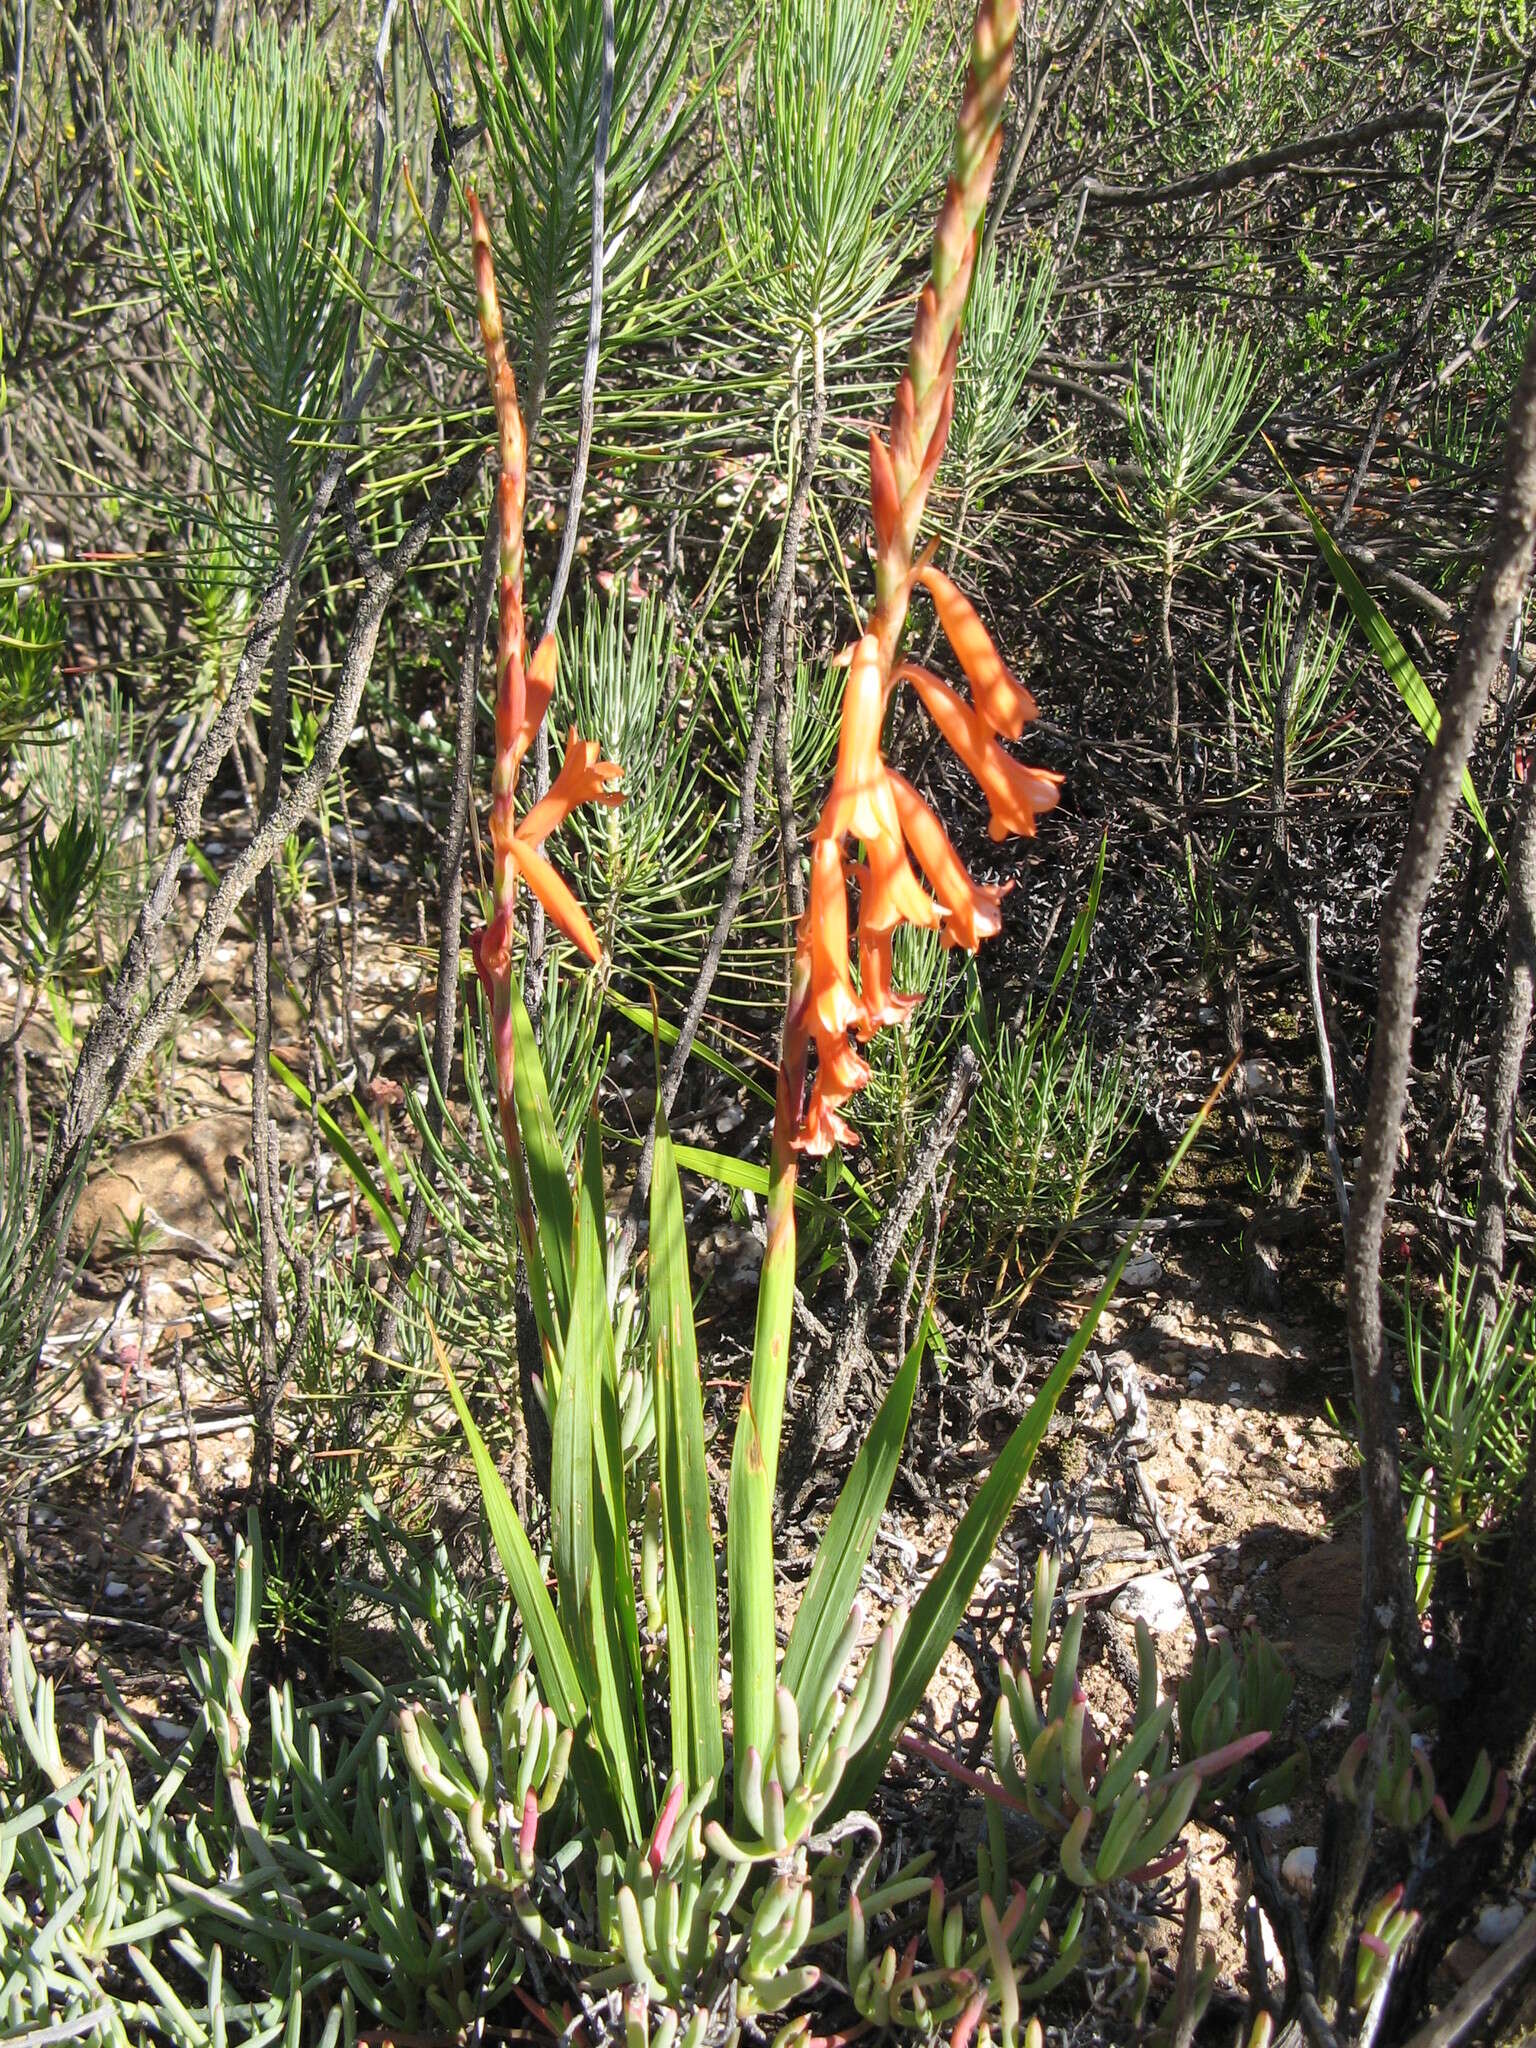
(750, 1581)
(546, 1162)
(552, 1655)
(844, 1551)
(592, 1567)
(693, 1651)
(1395, 658)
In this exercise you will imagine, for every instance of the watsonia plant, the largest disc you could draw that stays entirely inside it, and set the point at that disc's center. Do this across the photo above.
(707, 1885)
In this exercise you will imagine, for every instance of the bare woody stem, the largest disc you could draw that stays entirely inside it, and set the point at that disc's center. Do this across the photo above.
(1508, 1056)
(1388, 1589)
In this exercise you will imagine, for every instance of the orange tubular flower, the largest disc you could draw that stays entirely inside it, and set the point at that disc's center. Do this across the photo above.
(824, 935)
(882, 1004)
(859, 801)
(1001, 698)
(1015, 794)
(583, 779)
(560, 905)
(892, 894)
(538, 688)
(974, 910)
(868, 803)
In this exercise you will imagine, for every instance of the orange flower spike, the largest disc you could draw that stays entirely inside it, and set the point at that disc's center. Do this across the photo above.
(833, 1005)
(511, 487)
(1000, 697)
(884, 498)
(974, 909)
(1016, 795)
(930, 359)
(859, 801)
(583, 779)
(862, 803)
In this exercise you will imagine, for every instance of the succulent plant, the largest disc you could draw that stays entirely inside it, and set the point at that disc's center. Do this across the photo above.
(133, 1899)
(1114, 1809)
(1385, 1928)
(1404, 1792)
(1227, 1694)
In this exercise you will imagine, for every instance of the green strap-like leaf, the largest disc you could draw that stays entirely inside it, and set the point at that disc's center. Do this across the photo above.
(850, 1536)
(608, 1452)
(934, 1619)
(750, 1578)
(546, 1162)
(1395, 658)
(552, 1654)
(589, 1535)
(693, 1651)
(647, 1021)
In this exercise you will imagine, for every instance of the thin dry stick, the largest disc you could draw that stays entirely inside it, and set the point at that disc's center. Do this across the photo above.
(118, 1053)
(746, 822)
(265, 1171)
(784, 707)
(1325, 1056)
(851, 1347)
(1511, 1034)
(1387, 1577)
(1245, 170)
(1028, 127)
(450, 921)
(1285, 1916)
(116, 1043)
(1187, 1971)
(1467, 227)
(1504, 1968)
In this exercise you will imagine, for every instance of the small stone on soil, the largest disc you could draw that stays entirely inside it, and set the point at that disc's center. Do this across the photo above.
(1299, 1871)
(1495, 1924)
(1154, 1600)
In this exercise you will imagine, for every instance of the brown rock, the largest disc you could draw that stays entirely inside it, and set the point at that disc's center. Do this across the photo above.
(1321, 1590)
(1463, 1959)
(177, 1182)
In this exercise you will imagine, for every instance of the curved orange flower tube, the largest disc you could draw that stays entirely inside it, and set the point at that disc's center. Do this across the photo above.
(1015, 793)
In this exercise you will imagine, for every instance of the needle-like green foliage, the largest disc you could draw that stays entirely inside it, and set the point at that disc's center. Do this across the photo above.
(833, 154)
(241, 189)
(536, 68)
(1189, 426)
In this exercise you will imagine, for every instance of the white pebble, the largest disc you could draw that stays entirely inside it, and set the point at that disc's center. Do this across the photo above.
(1154, 1600)
(1275, 1817)
(1495, 1924)
(1273, 1953)
(1299, 1871)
